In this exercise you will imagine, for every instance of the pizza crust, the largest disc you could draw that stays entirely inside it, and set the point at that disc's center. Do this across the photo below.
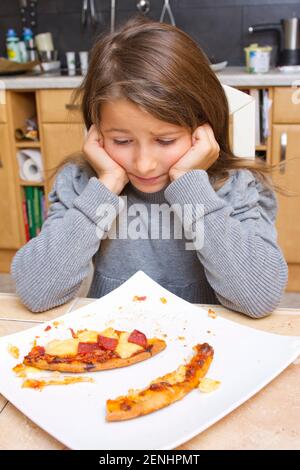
(162, 391)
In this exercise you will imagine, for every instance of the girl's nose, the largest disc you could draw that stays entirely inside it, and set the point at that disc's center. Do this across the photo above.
(145, 165)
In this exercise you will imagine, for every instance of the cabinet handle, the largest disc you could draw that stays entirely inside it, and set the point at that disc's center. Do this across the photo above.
(283, 145)
(72, 106)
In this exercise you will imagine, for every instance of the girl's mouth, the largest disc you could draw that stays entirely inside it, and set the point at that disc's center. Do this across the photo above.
(148, 180)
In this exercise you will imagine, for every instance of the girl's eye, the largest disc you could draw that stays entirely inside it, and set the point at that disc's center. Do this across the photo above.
(166, 142)
(162, 142)
(121, 142)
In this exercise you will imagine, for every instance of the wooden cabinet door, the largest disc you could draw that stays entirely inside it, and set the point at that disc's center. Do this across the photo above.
(56, 106)
(286, 146)
(59, 141)
(286, 108)
(9, 222)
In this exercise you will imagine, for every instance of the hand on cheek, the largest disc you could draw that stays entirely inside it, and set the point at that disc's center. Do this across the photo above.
(203, 153)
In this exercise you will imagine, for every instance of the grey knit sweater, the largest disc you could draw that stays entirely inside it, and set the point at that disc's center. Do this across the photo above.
(238, 264)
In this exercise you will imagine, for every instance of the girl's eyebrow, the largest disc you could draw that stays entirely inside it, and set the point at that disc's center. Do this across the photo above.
(114, 129)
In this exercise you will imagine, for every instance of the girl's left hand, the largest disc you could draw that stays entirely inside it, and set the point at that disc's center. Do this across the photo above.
(204, 152)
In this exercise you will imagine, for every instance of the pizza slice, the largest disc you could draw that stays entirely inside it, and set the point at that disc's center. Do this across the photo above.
(89, 351)
(164, 390)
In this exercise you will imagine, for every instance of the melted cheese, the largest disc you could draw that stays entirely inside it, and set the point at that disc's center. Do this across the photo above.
(66, 347)
(125, 349)
(173, 377)
(177, 376)
(87, 336)
(109, 333)
(208, 385)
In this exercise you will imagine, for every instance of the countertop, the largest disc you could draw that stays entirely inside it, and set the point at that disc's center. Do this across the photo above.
(232, 76)
(269, 420)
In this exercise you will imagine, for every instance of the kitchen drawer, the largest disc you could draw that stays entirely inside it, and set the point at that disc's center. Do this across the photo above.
(286, 107)
(56, 106)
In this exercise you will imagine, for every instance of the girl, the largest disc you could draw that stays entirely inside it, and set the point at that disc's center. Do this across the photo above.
(158, 138)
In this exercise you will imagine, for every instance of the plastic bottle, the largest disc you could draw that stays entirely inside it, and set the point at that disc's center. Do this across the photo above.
(30, 44)
(12, 46)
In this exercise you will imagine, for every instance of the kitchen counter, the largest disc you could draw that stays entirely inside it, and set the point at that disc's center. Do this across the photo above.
(232, 76)
(269, 420)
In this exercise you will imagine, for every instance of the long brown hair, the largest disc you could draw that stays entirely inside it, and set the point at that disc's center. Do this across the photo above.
(160, 68)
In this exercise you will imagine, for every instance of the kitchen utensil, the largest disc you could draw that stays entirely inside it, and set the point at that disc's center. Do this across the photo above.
(84, 12)
(71, 63)
(288, 31)
(48, 56)
(93, 12)
(167, 9)
(51, 66)
(24, 13)
(83, 57)
(143, 6)
(44, 42)
(112, 15)
(9, 67)
(88, 5)
(28, 13)
(219, 66)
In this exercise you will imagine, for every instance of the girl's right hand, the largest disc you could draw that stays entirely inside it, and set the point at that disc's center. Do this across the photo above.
(109, 172)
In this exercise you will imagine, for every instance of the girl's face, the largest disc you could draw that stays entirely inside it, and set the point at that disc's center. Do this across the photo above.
(144, 146)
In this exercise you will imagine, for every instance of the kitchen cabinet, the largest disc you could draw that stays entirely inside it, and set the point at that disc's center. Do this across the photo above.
(285, 148)
(61, 128)
(286, 108)
(10, 238)
(60, 140)
(56, 106)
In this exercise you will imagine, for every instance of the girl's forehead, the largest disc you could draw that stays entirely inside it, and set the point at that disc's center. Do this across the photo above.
(124, 115)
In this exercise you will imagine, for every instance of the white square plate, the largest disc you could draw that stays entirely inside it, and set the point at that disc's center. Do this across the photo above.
(245, 361)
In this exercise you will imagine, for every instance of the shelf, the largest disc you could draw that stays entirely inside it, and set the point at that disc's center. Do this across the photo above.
(261, 147)
(30, 183)
(28, 144)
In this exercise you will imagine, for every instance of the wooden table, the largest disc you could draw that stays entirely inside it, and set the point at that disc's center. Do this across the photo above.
(269, 420)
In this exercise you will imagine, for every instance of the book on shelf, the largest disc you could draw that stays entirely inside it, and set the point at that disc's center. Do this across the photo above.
(34, 212)
(262, 107)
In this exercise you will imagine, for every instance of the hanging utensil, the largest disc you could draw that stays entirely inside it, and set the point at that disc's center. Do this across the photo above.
(84, 12)
(33, 14)
(93, 13)
(88, 6)
(112, 15)
(143, 6)
(24, 13)
(167, 9)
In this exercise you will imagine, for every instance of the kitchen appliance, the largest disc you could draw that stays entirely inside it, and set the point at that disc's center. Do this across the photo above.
(288, 32)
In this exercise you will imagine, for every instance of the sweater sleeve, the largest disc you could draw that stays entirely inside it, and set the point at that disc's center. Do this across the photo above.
(239, 252)
(50, 268)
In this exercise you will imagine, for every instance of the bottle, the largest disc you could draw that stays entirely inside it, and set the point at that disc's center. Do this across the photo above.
(23, 51)
(29, 42)
(12, 46)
